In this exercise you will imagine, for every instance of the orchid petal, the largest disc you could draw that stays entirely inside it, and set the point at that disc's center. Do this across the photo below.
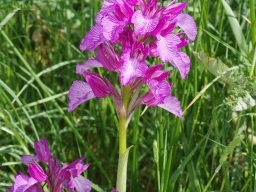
(36, 171)
(42, 150)
(172, 105)
(112, 27)
(28, 159)
(93, 38)
(34, 188)
(168, 52)
(188, 25)
(131, 69)
(77, 167)
(23, 183)
(98, 85)
(167, 46)
(107, 8)
(176, 8)
(133, 2)
(108, 57)
(79, 92)
(81, 184)
(149, 100)
(143, 24)
(89, 64)
(156, 73)
(185, 66)
(126, 9)
(160, 90)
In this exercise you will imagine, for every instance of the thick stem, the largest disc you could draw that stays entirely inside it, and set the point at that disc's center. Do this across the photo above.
(122, 135)
(122, 161)
(123, 152)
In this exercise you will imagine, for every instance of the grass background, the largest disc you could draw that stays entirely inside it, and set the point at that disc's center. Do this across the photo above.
(213, 149)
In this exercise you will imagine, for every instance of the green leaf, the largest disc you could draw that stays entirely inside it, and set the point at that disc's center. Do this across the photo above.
(156, 152)
(122, 170)
(230, 148)
(236, 28)
(7, 18)
(97, 188)
(216, 67)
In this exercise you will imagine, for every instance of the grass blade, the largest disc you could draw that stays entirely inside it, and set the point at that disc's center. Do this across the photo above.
(236, 28)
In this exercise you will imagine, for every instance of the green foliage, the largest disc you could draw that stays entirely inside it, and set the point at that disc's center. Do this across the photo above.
(213, 149)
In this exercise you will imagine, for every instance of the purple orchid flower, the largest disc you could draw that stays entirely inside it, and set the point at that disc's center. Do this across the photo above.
(42, 150)
(57, 177)
(24, 183)
(143, 29)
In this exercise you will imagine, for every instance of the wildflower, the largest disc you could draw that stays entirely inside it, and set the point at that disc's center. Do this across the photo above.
(143, 29)
(125, 35)
(58, 176)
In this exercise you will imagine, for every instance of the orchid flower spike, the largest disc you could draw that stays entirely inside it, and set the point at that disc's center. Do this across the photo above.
(57, 176)
(125, 34)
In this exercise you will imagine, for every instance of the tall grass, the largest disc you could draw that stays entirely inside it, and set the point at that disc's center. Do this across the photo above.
(213, 149)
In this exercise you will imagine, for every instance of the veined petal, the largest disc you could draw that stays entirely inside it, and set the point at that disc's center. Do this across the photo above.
(112, 27)
(108, 57)
(36, 171)
(175, 8)
(42, 150)
(155, 73)
(184, 42)
(128, 72)
(152, 70)
(172, 105)
(143, 24)
(23, 183)
(149, 100)
(98, 85)
(133, 2)
(168, 52)
(77, 167)
(89, 64)
(131, 69)
(160, 90)
(106, 9)
(79, 92)
(93, 38)
(126, 9)
(184, 67)
(35, 188)
(188, 25)
(182, 62)
(81, 184)
(167, 46)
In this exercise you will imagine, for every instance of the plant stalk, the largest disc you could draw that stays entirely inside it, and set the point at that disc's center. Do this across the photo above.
(123, 152)
(122, 161)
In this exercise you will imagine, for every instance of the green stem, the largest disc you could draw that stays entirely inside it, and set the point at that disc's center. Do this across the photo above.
(123, 152)
(122, 136)
(122, 161)
(253, 27)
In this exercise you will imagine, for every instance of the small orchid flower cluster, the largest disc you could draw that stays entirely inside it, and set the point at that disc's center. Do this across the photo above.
(126, 33)
(59, 177)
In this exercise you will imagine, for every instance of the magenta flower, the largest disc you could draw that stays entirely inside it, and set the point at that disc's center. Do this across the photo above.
(143, 29)
(58, 176)
(42, 150)
(24, 183)
(126, 33)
